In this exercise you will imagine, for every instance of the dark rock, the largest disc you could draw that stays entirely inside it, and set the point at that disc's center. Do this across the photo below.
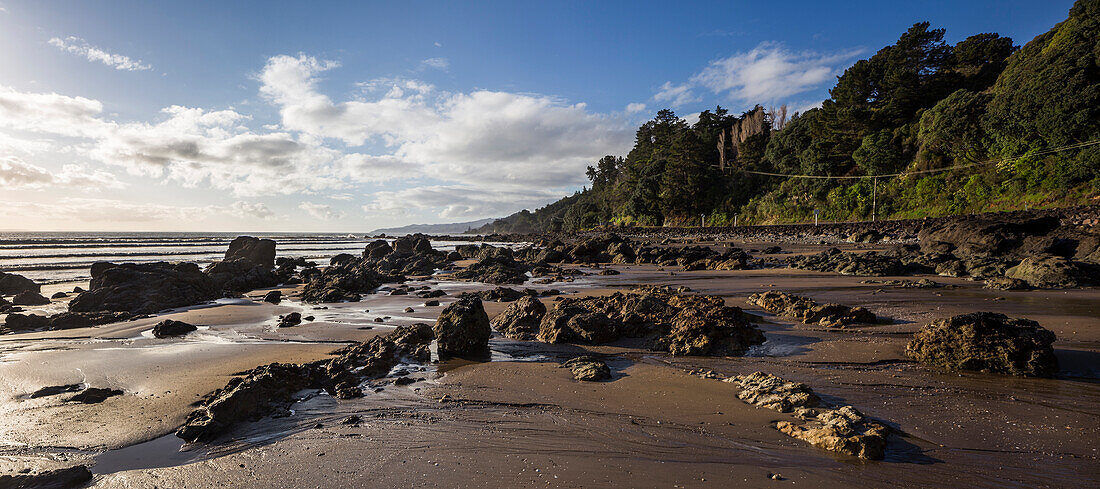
(71, 477)
(431, 303)
(500, 294)
(1006, 283)
(587, 368)
(16, 322)
(463, 328)
(351, 420)
(241, 275)
(11, 284)
(273, 297)
(292, 319)
(497, 268)
(59, 295)
(409, 309)
(521, 319)
(986, 341)
(28, 298)
(260, 252)
(169, 327)
(144, 288)
(93, 395)
(1048, 272)
(870, 263)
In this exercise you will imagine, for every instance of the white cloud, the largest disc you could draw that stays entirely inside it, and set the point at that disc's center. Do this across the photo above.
(675, 95)
(438, 44)
(80, 47)
(436, 63)
(634, 108)
(18, 174)
(768, 73)
(83, 210)
(323, 212)
(247, 210)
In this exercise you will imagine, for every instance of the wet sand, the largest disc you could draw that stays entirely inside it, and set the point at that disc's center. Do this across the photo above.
(519, 421)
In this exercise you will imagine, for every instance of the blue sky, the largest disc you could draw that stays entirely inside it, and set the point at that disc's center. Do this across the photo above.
(290, 116)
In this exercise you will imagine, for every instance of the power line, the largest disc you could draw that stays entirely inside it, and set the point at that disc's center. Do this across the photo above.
(935, 170)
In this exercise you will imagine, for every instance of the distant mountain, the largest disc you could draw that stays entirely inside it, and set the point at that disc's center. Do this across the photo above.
(452, 228)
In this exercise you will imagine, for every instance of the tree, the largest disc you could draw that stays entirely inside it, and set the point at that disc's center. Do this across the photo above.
(953, 128)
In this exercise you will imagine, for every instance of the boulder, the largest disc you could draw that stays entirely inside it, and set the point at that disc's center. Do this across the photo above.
(16, 322)
(144, 288)
(28, 298)
(1047, 272)
(496, 268)
(768, 391)
(59, 295)
(169, 327)
(11, 284)
(273, 297)
(521, 319)
(986, 341)
(500, 294)
(292, 319)
(259, 252)
(588, 368)
(462, 328)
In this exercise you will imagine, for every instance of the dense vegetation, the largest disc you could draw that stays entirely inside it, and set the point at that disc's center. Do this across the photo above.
(972, 127)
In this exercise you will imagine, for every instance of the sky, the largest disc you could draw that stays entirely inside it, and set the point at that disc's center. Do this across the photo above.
(350, 116)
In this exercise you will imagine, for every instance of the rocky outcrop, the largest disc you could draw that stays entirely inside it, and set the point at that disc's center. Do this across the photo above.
(497, 269)
(11, 284)
(240, 275)
(674, 323)
(70, 477)
(521, 319)
(144, 288)
(271, 388)
(348, 277)
(462, 328)
(988, 342)
(1048, 272)
(18, 323)
(587, 368)
(840, 429)
(810, 312)
(168, 327)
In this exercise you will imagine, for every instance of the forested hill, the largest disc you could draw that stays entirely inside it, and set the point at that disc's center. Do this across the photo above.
(981, 125)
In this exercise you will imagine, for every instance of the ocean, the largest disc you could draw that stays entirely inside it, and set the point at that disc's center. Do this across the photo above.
(62, 257)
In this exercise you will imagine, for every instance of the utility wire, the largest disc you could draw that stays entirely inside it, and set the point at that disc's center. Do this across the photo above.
(935, 170)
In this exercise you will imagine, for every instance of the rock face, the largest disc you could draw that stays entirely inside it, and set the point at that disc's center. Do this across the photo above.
(28, 298)
(589, 369)
(521, 319)
(830, 315)
(259, 252)
(169, 327)
(66, 478)
(843, 429)
(11, 284)
(271, 388)
(462, 328)
(678, 324)
(986, 341)
(144, 288)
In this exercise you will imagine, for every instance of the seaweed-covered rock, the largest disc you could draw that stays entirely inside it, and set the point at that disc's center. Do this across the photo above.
(521, 319)
(986, 341)
(463, 328)
(144, 288)
(168, 327)
(810, 312)
(678, 324)
(588, 368)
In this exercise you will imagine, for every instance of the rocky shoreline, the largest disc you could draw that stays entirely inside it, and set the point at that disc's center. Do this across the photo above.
(632, 304)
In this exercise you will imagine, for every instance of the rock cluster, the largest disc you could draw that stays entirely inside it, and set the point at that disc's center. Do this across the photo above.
(833, 260)
(986, 341)
(348, 277)
(521, 319)
(144, 288)
(613, 248)
(810, 312)
(674, 323)
(12, 284)
(270, 388)
(19, 323)
(842, 429)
